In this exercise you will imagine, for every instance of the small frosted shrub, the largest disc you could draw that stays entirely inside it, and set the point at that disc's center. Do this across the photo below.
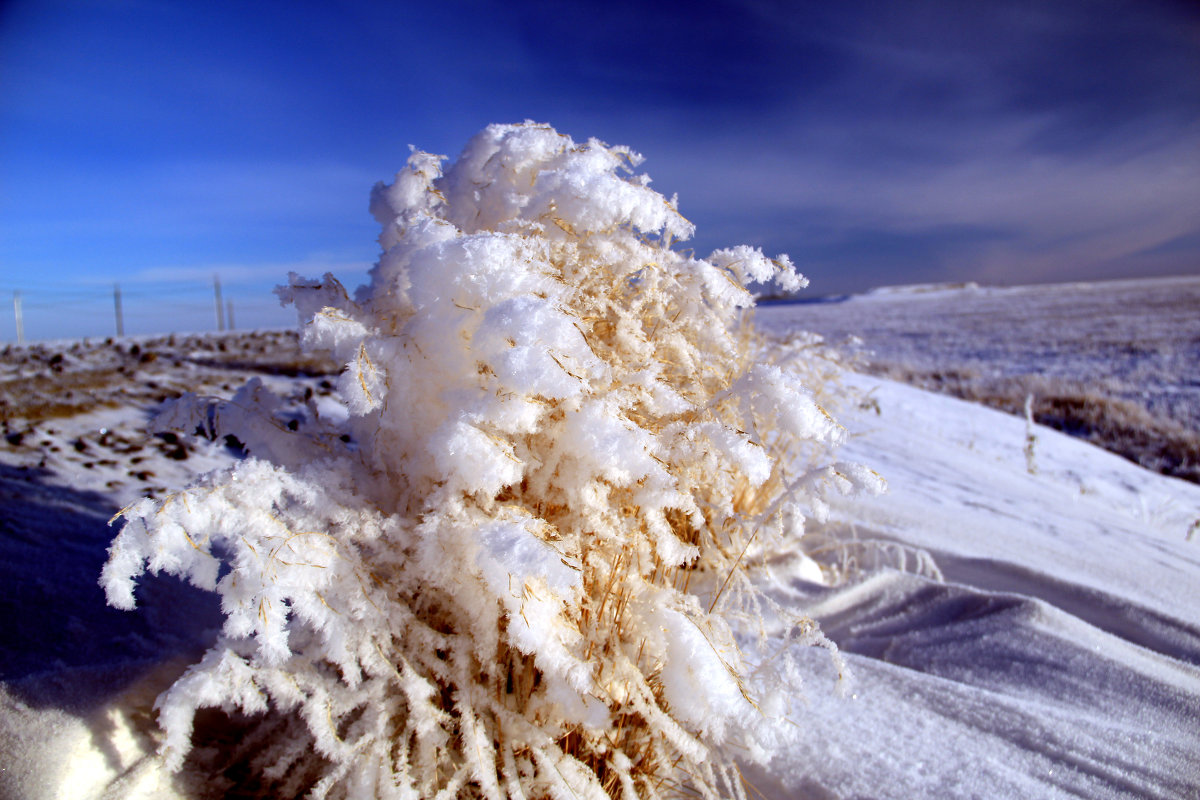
(519, 568)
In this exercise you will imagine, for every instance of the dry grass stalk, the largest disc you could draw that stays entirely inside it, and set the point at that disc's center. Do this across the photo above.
(558, 547)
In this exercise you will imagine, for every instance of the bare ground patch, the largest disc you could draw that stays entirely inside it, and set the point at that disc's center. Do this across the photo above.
(47, 381)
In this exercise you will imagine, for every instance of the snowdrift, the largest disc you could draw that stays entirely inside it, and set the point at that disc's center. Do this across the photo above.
(1056, 657)
(556, 538)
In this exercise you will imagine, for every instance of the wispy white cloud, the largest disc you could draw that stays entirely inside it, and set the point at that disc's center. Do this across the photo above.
(1006, 141)
(1069, 214)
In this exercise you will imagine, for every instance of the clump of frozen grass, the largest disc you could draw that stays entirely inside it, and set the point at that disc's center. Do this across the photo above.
(518, 567)
(1030, 438)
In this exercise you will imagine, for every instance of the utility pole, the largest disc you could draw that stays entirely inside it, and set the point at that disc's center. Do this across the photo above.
(219, 305)
(117, 309)
(17, 314)
(229, 313)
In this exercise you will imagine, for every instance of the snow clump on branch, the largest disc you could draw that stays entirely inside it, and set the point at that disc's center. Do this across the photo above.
(519, 568)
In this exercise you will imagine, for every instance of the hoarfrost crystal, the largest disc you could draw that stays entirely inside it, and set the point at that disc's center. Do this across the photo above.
(511, 568)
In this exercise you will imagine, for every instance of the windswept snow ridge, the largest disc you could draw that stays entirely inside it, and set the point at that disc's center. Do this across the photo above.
(1060, 654)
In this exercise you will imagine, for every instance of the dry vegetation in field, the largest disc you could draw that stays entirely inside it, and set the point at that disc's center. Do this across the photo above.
(1117, 364)
(1089, 411)
(45, 381)
(47, 389)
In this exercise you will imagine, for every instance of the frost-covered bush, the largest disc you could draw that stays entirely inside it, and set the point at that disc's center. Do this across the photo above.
(519, 567)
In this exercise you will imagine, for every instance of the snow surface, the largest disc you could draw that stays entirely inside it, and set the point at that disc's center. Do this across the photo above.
(1010, 634)
(1057, 658)
(1132, 340)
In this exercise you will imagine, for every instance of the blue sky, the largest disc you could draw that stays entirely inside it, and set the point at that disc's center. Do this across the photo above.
(155, 144)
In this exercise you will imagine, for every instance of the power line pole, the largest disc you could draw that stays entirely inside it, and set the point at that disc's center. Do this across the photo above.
(117, 309)
(219, 305)
(229, 313)
(17, 314)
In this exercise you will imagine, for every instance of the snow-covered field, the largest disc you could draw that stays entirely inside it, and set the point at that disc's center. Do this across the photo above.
(1011, 632)
(1117, 362)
